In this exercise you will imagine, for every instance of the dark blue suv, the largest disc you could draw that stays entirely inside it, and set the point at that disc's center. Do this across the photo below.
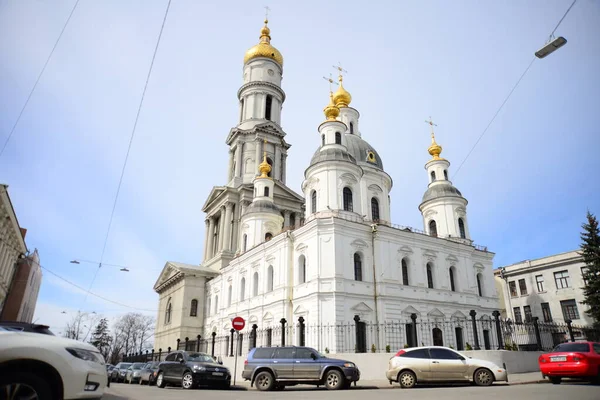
(274, 368)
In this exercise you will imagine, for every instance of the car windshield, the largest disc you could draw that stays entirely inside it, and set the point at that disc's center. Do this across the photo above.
(124, 365)
(138, 366)
(200, 357)
(569, 347)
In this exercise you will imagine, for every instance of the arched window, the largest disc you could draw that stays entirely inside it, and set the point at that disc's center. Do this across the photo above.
(438, 338)
(432, 228)
(429, 276)
(375, 209)
(313, 201)
(461, 228)
(255, 285)
(432, 176)
(168, 311)
(404, 272)
(338, 138)
(347, 195)
(322, 140)
(243, 289)
(480, 284)
(451, 273)
(270, 278)
(216, 304)
(268, 105)
(268, 236)
(241, 110)
(266, 191)
(229, 295)
(270, 162)
(446, 174)
(244, 242)
(194, 308)
(352, 128)
(302, 269)
(357, 267)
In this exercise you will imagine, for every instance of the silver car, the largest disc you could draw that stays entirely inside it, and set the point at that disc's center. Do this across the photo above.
(441, 364)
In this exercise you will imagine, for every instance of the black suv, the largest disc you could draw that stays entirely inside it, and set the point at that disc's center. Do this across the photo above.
(191, 369)
(278, 367)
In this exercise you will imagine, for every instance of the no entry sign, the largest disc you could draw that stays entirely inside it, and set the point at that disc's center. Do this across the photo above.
(238, 323)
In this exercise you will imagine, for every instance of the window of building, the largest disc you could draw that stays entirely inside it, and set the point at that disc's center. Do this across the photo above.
(539, 281)
(375, 209)
(584, 271)
(446, 174)
(522, 287)
(229, 295)
(517, 312)
(268, 105)
(322, 140)
(168, 311)
(357, 267)
(270, 278)
(527, 312)
(460, 340)
(313, 201)
(302, 269)
(429, 276)
(438, 339)
(432, 228)
(352, 128)
(255, 285)
(194, 308)
(461, 228)
(562, 279)
(243, 289)
(268, 236)
(347, 197)
(338, 138)
(266, 191)
(451, 273)
(241, 110)
(569, 309)
(245, 242)
(293, 219)
(269, 337)
(404, 272)
(547, 315)
(270, 162)
(432, 176)
(512, 286)
(480, 284)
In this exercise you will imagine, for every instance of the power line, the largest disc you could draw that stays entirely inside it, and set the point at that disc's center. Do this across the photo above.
(38, 79)
(563, 17)
(133, 131)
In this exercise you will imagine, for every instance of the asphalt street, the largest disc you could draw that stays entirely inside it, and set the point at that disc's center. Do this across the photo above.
(579, 391)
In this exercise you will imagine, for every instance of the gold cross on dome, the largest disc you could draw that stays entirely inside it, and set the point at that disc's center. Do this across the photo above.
(430, 122)
(267, 9)
(331, 82)
(341, 70)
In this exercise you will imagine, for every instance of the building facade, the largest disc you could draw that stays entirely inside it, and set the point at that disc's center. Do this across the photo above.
(24, 289)
(549, 288)
(330, 254)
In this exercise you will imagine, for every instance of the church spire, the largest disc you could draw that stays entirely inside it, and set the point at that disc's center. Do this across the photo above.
(341, 97)
(435, 149)
(264, 168)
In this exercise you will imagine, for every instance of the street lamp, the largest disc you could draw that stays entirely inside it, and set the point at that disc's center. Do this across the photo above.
(122, 268)
(551, 47)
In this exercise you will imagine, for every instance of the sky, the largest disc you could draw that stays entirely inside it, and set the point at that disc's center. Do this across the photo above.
(529, 181)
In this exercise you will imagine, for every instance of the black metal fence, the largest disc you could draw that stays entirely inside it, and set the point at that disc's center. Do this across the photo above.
(474, 333)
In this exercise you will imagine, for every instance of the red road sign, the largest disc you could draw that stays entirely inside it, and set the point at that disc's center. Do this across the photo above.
(238, 323)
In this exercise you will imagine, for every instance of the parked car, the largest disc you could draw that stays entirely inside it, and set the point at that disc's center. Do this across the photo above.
(26, 327)
(134, 373)
(35, 366)
(149, 373)
(191, 369)
(441, 364)
(274, 368)
(119, 372)
(578, 360)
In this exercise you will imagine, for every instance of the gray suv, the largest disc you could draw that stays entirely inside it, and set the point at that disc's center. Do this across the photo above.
(274, 368)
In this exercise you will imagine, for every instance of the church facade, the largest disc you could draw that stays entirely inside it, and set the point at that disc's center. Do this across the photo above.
(330, 253)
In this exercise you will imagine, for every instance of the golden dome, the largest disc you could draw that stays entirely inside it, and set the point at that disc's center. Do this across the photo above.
(331, 111)
(435, 149)
(264, 48)
(341, 97)
(264, 166)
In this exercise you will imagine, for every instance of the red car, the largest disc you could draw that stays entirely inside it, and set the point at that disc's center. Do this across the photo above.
(579, 360)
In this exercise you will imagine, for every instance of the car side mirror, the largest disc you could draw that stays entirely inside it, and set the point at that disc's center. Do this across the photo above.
(313, 356)
(462, 358)
(182, 361)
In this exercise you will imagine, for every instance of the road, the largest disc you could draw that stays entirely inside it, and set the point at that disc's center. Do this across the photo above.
(579, 391)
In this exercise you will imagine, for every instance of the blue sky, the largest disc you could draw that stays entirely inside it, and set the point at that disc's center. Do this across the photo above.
(529, 182)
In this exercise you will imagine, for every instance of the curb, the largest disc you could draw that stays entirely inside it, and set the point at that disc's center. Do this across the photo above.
(528, 382)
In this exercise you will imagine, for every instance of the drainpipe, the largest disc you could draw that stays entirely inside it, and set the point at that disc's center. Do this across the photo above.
(375, 295)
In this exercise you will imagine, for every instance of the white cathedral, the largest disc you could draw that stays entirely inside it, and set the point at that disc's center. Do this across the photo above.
(330, 253)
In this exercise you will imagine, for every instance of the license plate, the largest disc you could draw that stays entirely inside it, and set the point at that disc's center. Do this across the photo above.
(218, 374)
(558, 359)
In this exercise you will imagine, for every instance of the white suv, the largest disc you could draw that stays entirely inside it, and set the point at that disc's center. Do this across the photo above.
(49, 367)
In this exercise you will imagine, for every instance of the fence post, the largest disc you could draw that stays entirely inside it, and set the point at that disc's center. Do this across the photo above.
(570, 328)
(178, 341)
(538, 337)
(496, 315)
(186, 342)
(212, 352)
(413, 316)
(231, 343)
(159, 354)
(168, 349)
(152, 354)
(283, 322)
(301, 333)
(198, 343)
(253, 336)
(356, 333)
(472, 313)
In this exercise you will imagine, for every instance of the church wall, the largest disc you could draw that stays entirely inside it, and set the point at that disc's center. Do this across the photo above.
(444, 212)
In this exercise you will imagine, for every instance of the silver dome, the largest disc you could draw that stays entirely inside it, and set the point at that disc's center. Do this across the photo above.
(359, 148)
(437, 191)
(334, 154)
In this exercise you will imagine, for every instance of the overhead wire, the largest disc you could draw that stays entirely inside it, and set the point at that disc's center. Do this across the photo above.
(37, 80)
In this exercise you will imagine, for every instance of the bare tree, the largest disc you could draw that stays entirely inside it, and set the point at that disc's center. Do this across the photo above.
(80, 325)
(132, 332)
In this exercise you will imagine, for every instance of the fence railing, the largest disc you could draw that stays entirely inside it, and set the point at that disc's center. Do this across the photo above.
(357, 336)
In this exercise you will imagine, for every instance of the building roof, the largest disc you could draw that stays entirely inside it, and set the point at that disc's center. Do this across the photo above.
(360, 149)
(437, 191)
(262, 206)
(332, 154)
(551, 261)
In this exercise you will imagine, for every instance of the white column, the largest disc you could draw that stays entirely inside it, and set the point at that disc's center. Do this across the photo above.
(286, 218)
(258, 155)
(277, 163)
(283, 167)
(221, 229)
(227, 230)
(238, 158)
(211, 237)
(230, 168)
(235, 228)
(206, 235)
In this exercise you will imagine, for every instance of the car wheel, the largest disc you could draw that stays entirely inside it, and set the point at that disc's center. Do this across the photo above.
(407, 379)
(225, 386)
(160, 380)
(264, 381)
(334, 380)
(20, 385)
(555, 381)
(141, 382)
(483, 377)
(187, 380)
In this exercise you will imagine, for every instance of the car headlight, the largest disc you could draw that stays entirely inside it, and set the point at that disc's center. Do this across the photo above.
(136, 373)
(199, 368)
(86, 355)
(349, 365)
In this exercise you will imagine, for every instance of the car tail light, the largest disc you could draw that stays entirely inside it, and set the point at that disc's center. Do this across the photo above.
(579, 357)
(542, 359)
(399, 353)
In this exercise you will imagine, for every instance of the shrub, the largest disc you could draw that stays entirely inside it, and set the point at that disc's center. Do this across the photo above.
(373, 349)
(388, 348)
(468, 346)
(406, 346)
(326, 350)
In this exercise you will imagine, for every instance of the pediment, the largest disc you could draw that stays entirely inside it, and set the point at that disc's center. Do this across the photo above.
(268, 316)
(410, 310)
(429, 254)
(300, 310)
(435, 313)
(301, 248)
(268, 127)
(253, 319)
(452, 259)
(361, 307)
(405, 250)
(375, 188)
(459, 315)
(359, 244)
(213, 195)
(167, 273)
